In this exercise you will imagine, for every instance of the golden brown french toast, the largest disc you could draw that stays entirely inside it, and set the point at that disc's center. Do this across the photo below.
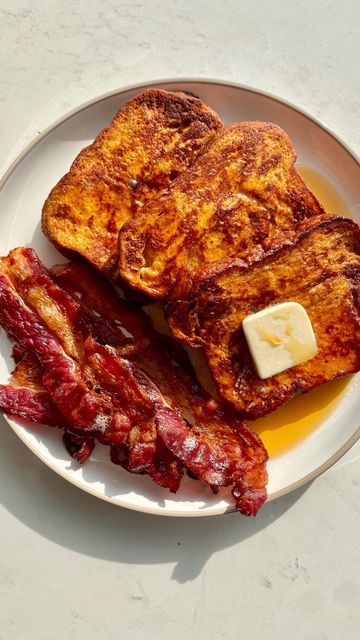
(152, 139)
(318, 268)
(241, 190)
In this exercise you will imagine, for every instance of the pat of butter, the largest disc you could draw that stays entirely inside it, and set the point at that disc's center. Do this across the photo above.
(279, 337)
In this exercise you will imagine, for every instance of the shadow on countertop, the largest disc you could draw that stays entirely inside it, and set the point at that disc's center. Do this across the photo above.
(64, 514)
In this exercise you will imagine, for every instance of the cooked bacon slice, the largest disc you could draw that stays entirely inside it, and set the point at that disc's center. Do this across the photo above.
(98, 294)
(79, 448)
(55, 308)
(25, 269)
(28, 372)
(118, 376)
(83, 408)
(34, 406)
(166, 469)
(142, 446)
(220, 455)
(115, 374)
(148, 454)
(25, 395)
(145, 451)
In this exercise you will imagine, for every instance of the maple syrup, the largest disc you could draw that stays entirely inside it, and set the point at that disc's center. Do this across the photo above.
(325, 192)
(296, 420)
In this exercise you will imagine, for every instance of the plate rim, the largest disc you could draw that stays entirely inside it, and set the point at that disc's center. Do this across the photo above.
(17, 428)
(7, 172)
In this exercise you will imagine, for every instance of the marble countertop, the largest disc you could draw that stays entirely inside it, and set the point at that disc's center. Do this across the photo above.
(72, 566)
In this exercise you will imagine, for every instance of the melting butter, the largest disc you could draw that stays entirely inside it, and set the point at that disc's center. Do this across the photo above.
(279, 337)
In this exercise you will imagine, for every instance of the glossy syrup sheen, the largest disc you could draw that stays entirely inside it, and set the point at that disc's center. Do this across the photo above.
(325, 192)
(299, 418)
(292, 423)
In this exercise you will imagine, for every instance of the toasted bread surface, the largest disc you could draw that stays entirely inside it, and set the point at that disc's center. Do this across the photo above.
(152, 139)
(320, 269)
(242, 190)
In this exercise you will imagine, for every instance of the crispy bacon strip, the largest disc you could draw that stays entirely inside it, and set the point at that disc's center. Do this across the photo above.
(34, 406)
(221, 456)
(26, 396)
(79, 448)
(145, 452)
(166, 468)
(55, 308)
(119, 376)
(148, 454)
(84, 409)
(30, 400)
(227, 452)
(98, 294)
(28, 372)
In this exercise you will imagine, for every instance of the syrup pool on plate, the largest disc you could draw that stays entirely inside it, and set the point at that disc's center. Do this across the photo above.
(325, 192)
(292, 423)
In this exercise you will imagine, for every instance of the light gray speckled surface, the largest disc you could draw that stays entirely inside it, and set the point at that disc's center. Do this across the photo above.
(71, 566)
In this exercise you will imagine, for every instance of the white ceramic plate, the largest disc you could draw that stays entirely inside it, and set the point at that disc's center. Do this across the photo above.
(24, 188)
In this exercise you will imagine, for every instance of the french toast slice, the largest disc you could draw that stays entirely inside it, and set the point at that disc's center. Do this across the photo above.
(152, 139)
(318, 268)
(241, 190)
